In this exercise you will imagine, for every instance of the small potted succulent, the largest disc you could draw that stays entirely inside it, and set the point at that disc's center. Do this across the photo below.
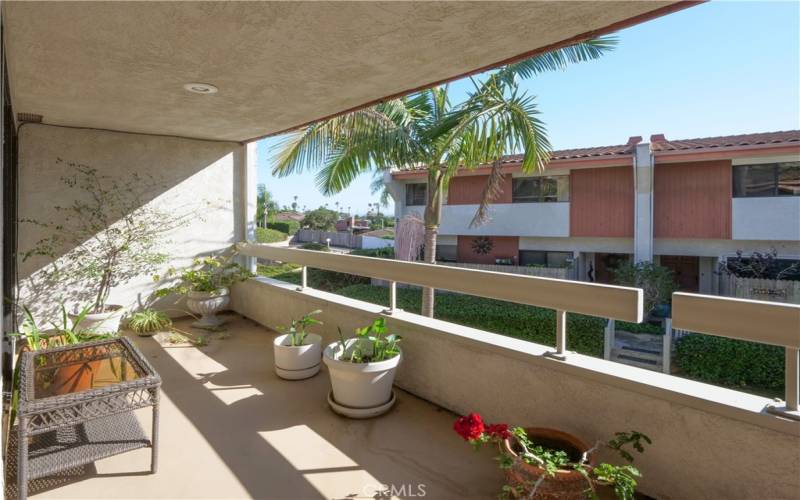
(205, 285)
(550, 464)
(362, 371)
(297, 352)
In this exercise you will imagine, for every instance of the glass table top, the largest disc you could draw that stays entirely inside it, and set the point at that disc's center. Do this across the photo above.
(57, 377)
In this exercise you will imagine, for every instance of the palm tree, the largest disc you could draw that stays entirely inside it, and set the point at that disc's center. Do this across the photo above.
(425, 131)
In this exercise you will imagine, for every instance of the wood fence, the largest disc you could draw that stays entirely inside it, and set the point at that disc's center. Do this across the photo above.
(785, 291)
(347, 240)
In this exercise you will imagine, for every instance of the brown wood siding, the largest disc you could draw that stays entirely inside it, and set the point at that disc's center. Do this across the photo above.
(468, 190)
(601, 202)
(503, 247)
(692, 200)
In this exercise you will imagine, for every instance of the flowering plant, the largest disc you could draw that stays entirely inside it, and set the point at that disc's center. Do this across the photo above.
(622, 478)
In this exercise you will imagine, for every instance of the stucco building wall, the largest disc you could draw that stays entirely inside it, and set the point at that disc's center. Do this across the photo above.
(200, 179)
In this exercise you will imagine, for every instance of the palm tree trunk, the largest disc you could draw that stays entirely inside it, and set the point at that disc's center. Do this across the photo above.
(433, 216)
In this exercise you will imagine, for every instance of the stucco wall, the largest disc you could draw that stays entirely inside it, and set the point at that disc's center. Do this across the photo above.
(697, 453)
(509, 219)
(199, 178)
(776, 218)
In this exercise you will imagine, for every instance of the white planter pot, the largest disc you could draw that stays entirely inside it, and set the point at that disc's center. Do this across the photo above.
(359, 390)
(105, 322)
(208, 304)
(297, 362)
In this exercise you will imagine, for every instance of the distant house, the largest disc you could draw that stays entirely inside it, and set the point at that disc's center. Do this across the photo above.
(351, 224)
(686, 204)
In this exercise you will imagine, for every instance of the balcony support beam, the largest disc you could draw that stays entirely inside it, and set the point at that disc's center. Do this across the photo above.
(561, 336)
(392, 299)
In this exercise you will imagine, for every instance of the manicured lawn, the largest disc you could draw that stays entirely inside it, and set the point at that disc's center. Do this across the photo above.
(264, 235)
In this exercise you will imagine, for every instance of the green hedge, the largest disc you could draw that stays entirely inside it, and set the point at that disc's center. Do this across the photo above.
(733, 363)
(264, 235)
(383, 253)
(288, 227)
(329, 281)
(319, 247)
(584, 333)
(639, 328)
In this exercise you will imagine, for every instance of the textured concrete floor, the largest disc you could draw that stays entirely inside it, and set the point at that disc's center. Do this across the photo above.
(230, 428)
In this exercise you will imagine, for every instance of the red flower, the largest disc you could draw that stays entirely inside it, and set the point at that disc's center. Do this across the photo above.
(469, 427)
(498, 431)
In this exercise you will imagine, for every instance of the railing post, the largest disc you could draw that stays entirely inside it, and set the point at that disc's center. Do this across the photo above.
(666, 347)
(392, 298)
(561, 336)
(792, 376)
(303, 278)
(792, 407)
(608, 339)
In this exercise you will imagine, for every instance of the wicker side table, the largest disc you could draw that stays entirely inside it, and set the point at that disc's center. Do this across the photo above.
(76, 406)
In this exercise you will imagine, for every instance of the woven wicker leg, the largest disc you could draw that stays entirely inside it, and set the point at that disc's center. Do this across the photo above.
(154, 438)
(22, 460)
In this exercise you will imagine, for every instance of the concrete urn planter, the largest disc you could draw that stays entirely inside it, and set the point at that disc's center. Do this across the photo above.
(207, 305)
(359, 390)
(297, 362)
(104, 322)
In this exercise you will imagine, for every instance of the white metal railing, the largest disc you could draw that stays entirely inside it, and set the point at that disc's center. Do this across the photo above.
(757, 321)
(563, 296)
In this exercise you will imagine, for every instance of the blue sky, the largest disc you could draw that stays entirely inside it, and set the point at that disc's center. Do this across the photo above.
(715, 69)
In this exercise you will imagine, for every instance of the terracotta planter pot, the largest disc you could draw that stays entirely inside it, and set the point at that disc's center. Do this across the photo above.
(567, 484)
(75, 378)
(208, 304)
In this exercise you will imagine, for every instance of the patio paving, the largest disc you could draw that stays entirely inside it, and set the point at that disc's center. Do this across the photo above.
(230, 428)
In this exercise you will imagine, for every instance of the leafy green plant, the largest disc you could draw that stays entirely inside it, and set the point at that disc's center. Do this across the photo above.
(264, 235)
(743, 365)
(621, 477)
(658, 282)
(297, 331)
(371, 344)
(288, 227)
(383, 253)
(315, 246)
(113, 232)
(321, 219)
(208, 274)
(149, 321)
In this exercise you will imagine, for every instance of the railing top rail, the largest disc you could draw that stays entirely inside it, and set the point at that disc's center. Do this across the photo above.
(607, 301)
(755, 320)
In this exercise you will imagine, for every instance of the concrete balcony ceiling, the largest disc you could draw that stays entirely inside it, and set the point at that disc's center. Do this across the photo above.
(122, 66)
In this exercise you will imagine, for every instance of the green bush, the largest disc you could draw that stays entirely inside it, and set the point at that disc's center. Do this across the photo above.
(639, 328)
(329, 281)
(288, 227)
(383, 253)
(264, 235)
(319, 247)
(733, 363)
(584, 333)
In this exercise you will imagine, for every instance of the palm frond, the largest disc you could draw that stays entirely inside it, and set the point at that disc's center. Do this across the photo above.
(493, 189)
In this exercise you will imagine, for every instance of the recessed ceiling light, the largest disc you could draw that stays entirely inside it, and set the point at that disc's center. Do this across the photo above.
(201, 88)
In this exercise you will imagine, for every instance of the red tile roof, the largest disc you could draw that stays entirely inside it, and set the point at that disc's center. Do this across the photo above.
(660, 143)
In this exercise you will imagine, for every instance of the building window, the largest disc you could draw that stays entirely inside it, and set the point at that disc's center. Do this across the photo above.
(540, 189)
(540, 258)
(415, 194)
(768, 179)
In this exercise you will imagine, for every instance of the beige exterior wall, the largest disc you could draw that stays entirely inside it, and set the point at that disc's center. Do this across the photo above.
(708, 442)
(202, 178)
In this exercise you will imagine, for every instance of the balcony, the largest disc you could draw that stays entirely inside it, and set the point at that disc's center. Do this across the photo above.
(230, 428)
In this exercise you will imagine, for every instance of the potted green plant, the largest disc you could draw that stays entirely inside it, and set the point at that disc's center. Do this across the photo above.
(298, 353)
(111, 234)
(206, 286)
(362, 371)
(147, 322)
(550, 464)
